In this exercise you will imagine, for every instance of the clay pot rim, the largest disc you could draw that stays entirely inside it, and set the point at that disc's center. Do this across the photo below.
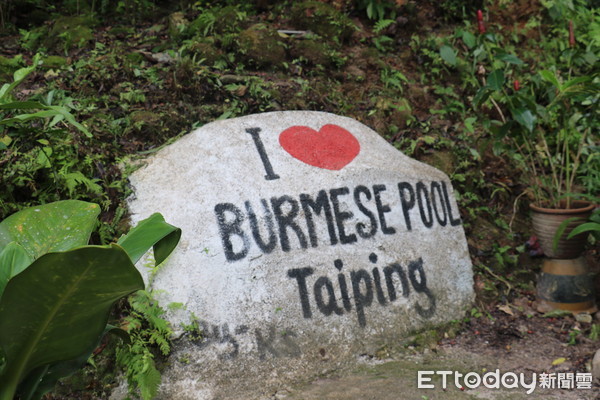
(581, 206)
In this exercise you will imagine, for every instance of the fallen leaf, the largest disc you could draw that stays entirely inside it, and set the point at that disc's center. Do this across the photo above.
(559, 360)
(506, 309)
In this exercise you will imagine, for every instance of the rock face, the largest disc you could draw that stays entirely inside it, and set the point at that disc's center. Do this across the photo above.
(307, 241)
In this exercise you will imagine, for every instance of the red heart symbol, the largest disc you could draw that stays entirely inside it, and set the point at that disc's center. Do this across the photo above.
(332, 147)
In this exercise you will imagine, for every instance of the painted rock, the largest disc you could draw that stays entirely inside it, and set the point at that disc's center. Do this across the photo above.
(307, 241)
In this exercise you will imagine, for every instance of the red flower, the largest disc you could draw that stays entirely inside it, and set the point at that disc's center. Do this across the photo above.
(571, 34)
(480, 24)
(516, 85)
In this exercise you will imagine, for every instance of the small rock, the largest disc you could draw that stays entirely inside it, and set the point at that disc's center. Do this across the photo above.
(584, 317)
(596, 365)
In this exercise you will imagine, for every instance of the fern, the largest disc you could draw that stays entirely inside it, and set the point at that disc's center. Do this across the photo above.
(382, 24)
(148, 331)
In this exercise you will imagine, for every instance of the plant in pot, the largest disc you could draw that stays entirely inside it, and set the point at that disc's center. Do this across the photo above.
(548, 126)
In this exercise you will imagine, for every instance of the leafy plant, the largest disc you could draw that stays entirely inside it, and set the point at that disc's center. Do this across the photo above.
(376, 9)
(147, 330)
(56, 291)
(36, 142)
(593, 226)
(545, 118)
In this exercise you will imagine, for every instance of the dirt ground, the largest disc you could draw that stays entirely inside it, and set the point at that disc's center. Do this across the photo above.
(509, 343)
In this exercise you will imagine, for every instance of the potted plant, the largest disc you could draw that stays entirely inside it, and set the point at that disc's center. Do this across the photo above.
(547, 123)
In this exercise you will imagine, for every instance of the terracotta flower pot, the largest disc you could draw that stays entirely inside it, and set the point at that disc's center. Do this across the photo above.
(546, 222)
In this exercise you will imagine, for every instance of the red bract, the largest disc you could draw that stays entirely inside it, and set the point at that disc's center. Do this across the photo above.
(571, 34)
(480, 24)
(516, 85)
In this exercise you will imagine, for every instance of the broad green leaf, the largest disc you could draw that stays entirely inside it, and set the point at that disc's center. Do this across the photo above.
(495, 80)
(587, 227)
(510, 59)
(525, 118)
(13, 259)
(469, 39)
(58, 307)
(153, 231)
(4, 92)
(42, 380)
(22, 105)
(448, 54)
(57, 226)
(550, 77)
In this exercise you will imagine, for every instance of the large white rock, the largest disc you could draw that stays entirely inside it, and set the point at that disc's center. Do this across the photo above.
(307, 240)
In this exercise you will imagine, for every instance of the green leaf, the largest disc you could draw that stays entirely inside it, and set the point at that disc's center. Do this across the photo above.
(13, 259)
(48, 111)
(510, 59)
(58, 307)
(153, 231)
(57, 226)
(495, 80)
(448, 54)
(481, 96)
(587, 227)
(550, 77)
(561, 230)
(469, 39)
(28, 117)
(42, 380)
(69, 117)
(22, 105)
(525, 118)
(18, 77)
(149, 382)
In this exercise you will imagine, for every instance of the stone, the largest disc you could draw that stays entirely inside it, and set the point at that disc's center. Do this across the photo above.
(307, 241)
(596, 366)
(69, 32)
(261, 46)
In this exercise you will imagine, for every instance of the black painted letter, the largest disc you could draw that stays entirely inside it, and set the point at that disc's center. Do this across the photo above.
(341, 216)
(453, 222)
(271, 175)
(435, 187)
(231, 228)
(300, 275)
(287, 221)
(407, 204)
(360, 227)
(382, 209)
(329, 307)
(422, 191)
(420, 286)
(270, 245)
(321, 204)
(361, 300)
